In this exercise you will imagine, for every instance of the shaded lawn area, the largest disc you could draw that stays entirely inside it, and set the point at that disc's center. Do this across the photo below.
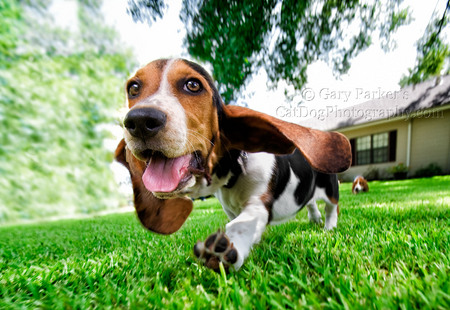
(390, 250)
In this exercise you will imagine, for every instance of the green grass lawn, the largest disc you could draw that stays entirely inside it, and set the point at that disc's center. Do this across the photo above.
(390, 251)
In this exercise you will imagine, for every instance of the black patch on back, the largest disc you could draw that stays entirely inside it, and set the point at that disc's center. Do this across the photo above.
(281, 176)
(330, 183)
(229, 163)
(309, 179)
(306, 176)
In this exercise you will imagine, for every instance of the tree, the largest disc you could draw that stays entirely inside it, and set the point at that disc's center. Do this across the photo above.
(238, 37)
(146, 10)
(57, 88)
(433, 53)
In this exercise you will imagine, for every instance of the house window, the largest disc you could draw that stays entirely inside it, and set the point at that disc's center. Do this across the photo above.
(374, 149)
(380, 144)
(363, 150)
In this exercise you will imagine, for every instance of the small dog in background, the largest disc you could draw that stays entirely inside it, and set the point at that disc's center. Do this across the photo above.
(360, 185)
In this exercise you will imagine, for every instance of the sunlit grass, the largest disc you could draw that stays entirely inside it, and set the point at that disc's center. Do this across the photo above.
(390, 251)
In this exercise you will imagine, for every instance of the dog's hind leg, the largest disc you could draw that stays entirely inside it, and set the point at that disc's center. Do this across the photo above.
(328, 191)
(331, 215)
(314, 215)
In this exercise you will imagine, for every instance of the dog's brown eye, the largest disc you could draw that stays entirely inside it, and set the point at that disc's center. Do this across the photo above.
(193, 86)
(134, 89)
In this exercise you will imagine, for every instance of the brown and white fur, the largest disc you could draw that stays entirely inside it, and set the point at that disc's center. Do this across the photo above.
(360, 185)
(181, 141)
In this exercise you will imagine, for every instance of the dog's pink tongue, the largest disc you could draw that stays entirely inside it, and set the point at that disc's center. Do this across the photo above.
(164, 174)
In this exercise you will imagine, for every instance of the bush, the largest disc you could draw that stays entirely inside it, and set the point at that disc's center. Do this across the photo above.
(399, 171)
(431, 170)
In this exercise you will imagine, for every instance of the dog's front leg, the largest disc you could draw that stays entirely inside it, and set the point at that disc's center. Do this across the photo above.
(233, 246)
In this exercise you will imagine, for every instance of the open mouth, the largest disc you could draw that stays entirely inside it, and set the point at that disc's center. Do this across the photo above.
(166, 175)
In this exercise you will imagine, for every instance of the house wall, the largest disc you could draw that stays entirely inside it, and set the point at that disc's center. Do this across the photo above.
(431, 140)
(430, 143)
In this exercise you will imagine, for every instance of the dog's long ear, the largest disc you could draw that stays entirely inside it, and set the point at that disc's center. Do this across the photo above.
(158, 215)
(120, 154)
(248, 130)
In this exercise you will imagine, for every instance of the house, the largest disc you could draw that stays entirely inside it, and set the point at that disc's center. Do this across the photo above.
(410, 126)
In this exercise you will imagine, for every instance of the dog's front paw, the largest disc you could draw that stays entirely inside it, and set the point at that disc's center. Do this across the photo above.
(217, 248)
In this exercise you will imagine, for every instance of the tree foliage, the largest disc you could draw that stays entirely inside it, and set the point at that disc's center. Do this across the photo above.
(239, 37)
(57, 88)
(433, 54)
(146, 10)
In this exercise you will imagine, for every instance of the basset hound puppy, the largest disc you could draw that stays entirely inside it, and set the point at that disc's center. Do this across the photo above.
(360, 185)
(181, 141)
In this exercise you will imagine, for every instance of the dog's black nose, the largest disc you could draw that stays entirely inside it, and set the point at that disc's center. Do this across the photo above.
(144, 122)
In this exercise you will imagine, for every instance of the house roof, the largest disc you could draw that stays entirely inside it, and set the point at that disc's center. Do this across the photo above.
(390, 105)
